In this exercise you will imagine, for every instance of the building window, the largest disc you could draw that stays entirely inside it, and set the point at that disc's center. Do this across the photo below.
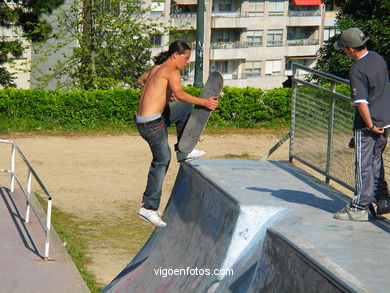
(252, 69)
(302, 35)
(309, 62)
(330, 5)
(329, 31)
(255, 38)
(188, 72)
(256, 7)
(276, 7)
(155, 40)
(275, 38)
(272, 67)
(221, 66)
(225, 5)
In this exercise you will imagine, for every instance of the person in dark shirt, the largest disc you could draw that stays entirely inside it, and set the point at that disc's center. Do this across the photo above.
(370, 90)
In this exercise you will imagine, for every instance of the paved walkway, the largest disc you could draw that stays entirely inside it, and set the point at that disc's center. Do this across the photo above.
(22, 267)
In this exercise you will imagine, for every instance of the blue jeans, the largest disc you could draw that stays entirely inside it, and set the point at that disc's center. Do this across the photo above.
(156, 135)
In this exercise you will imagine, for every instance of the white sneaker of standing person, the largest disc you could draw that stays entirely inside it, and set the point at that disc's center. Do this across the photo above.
(153, 217)
(195, 154)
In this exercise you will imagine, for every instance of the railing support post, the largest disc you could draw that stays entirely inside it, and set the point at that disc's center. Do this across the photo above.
(332, 104)
(293, 113)
(48, 228)
(28, 191)
(12, 187)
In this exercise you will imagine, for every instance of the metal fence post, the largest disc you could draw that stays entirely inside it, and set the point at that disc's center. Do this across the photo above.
(293, 112)
(48, 228)
(12, 187)
(28, 191)
(332, 104)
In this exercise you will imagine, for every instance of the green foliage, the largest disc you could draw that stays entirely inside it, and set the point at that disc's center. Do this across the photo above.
(27, 16)
(340, 88)
(70, 110)
(105, 45)
(373, 18)
(8, 52)
(98, 109)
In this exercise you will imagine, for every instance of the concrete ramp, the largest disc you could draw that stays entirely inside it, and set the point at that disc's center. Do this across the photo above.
(249, 226)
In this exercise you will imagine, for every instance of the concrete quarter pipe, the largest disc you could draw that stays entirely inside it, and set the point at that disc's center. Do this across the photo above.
(249, 226)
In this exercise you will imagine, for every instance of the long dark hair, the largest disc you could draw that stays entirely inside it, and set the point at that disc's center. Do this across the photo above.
(177, 46)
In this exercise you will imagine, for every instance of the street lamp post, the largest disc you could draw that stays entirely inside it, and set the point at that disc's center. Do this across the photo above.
(198, 80)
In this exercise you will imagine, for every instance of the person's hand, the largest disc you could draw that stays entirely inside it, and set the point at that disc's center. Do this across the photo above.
(378, 130)
(173, 97)
(211, 103)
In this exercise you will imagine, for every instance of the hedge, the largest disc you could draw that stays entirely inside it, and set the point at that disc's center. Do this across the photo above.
(111, 108)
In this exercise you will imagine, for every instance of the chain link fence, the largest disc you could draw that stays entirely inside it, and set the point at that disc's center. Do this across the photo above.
(321, 126)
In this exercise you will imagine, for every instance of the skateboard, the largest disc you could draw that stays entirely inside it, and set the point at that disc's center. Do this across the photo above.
(200, 115)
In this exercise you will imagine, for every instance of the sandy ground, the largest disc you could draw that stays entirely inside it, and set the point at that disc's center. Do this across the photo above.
(95, 176)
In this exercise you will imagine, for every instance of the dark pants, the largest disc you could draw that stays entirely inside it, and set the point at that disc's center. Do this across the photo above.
(369, 172)
(156, 135)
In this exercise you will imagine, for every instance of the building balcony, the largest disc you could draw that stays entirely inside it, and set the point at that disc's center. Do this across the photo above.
(304, 12)
(255, 74)
(184, 19)
(228, 45)
(233, 76)
(229, 19)
(183, 15)
(302, 42)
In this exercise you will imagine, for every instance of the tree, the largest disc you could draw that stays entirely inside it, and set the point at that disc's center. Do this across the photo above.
(25, 16)
(112, 48)
(373, 18)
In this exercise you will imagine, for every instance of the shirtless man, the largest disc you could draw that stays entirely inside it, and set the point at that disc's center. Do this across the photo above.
(156, 113)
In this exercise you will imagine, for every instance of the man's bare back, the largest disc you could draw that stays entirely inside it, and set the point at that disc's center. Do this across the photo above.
(163, 81)
(156, 92)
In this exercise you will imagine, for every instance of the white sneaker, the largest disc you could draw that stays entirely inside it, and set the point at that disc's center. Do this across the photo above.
(151, 216)
(195, 154)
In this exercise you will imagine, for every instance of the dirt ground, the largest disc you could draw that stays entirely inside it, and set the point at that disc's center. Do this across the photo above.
(100, 179)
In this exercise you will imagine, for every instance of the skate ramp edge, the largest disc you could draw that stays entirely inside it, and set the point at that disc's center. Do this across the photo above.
(229, 229)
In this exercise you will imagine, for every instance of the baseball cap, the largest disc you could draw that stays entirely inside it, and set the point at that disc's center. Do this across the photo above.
(352, 37)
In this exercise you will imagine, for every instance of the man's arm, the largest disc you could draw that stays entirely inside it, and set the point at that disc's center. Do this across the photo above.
(143, 78)
(365, 113)
(174, 82)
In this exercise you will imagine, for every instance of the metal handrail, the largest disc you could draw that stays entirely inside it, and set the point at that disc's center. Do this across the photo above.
(334, 95)
(322, 74)
(320, 127)
(27, 192)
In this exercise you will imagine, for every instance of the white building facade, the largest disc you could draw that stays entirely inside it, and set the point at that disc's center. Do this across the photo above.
(253, 43)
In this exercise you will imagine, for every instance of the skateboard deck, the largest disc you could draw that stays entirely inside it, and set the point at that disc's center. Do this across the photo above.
(200, 115)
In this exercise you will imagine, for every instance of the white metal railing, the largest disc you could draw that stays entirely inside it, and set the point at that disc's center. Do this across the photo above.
(302, 42)
(228, 45)
(46, 225)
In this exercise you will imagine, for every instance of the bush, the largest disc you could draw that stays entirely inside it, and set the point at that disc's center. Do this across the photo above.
(82, 110)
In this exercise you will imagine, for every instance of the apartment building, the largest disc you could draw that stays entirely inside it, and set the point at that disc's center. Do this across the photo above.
(252, 42)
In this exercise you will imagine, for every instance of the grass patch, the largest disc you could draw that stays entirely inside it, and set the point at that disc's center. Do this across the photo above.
(232, 156)
(122, 236)
(71, 231)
